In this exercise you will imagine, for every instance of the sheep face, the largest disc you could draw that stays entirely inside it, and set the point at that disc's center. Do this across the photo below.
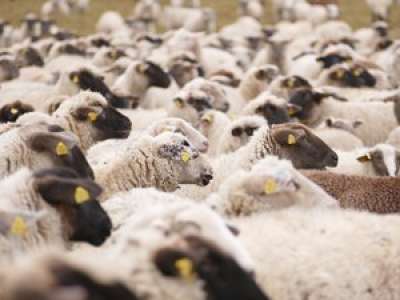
(176, 125)
(11, 112)
(97, 117)
(185, 68)
(52, 146)
(29, 57)
(242, 131)
(87, 80)
(355, 76)
(302, 147)
(8, 69)
(84, 220)
(191, 167)
(223, 277)
(57, 278)
(384, 159)
(332, 59)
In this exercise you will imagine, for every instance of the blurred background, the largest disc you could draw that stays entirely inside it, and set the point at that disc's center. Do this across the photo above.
(353, 11)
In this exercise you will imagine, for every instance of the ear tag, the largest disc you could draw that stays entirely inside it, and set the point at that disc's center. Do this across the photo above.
(271, 187)
(185, 268)
(340, 74)
(207, 119)
(291, 111)
(14, 111)
(179, 103)
(357, 72)
(81, 195)
(19, 227)
(75, 79)
(365, 158)
(142, 68)
(61, 149)
(291, 140)
(92, 116)
(185, 157)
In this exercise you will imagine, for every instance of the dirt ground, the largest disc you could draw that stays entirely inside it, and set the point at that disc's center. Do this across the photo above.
(354, 11)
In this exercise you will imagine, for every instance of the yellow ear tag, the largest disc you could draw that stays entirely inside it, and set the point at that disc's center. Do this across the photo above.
(92, 116)
(75, 79)
(185, 157)
(179, 103)
(291, 83)
(185, 268)
(340, 74)
(61, 149)
(357, 72)
(207, 119)
(291, 140)
(81, 195)
(365, 158)
(271, 187)
(14, 111)
(291, 111)
(19, 227)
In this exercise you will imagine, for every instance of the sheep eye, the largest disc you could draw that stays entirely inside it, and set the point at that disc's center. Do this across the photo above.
(185, 143)
(237, 132)
(250, 131)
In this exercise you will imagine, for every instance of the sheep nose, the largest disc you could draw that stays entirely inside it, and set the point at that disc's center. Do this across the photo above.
(332, 160)
(205, 179)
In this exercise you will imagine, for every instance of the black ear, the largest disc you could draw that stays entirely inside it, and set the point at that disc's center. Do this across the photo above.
(70, 277)
(167, 262)
(58, 190)
(51, 142)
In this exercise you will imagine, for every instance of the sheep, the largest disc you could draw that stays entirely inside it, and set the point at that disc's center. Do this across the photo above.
(61, 276)
(110, 22)
(271, 184)
(317, 106)
(148, 11)
(253, 8)
(256, 80)
(381, 160)
(184, 68)
(187, 263)
(191, 19)
(8, 69)
(319, 245)
(70, 207)
(164, 162)
(380, 8)
(38, 146)
(374, 194)
(239, 133)
(210, 126)
(91, 119)
(294, 142)
(273, 109)
(339, 134)
(183, 3)
(101, 151)
(368, 39)
(138, 77)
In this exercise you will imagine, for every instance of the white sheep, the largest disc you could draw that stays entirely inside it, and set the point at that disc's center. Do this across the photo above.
(164, 162)
(50, 194)
(381, 160)
(380, 8)
(253, 8)
(191, 19)
(272, 184)
(319, 246)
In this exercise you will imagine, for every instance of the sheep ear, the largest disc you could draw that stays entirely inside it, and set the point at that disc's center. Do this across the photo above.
(52, 142)
(57, 190)
(174, 263)
(364, 158)
(207, 119)
(293, 109)
(286, 137)
(357, 123)
(329, 122)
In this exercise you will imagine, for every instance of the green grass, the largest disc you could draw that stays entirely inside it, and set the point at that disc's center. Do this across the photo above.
(354, 11)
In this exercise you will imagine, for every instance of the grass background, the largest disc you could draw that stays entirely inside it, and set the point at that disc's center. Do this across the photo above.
(354, 11)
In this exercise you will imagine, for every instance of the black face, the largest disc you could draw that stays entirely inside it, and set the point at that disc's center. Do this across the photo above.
(273, 114)
(77, 161)
(363, 78)
(46, 25)
(32, 57)
(91, 82)
(157, 76)
(200, 104)
(11, 112)
(331, 60)
(72, 50)
(295, 82)
(238, 131)
(100, 42)
(223, 277)
(382, 31)
(384, 45)
(66, 276)
(306, 99)
(91, 224)
(113, 124)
